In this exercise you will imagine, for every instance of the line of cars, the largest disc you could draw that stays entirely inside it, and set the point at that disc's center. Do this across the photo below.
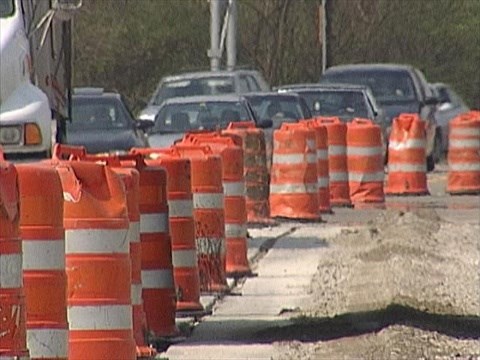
(211, 100)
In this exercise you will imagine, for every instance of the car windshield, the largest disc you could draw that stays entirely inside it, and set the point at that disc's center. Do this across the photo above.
(97, 114)
(179, 118)
(344, 104)
(191, 87)
(279, 109)
(386, 86)
(6, 8)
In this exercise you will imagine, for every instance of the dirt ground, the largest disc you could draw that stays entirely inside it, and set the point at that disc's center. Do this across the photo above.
(405, 286)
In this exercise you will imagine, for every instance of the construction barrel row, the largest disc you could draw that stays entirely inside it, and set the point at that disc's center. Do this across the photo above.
(100, 254)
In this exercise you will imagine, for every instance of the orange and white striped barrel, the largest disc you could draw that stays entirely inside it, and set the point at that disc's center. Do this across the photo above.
(97, 262)
(365, 162)
(12, 301)
(407, 169)
(234, 198)
(208, 214)
(293, 184)
(255, 170)
(159, 299)
(322, 165)
(44, 277)
(464, 154)
(182, 228)
(337, 160)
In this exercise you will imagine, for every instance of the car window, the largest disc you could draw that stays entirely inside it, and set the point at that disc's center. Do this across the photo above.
(279, 109)
(191, 87)
(253, 84)
(97, 113)
(344, 104)
(6, 8)
(197, 116)
(244, 85)
(387, 86)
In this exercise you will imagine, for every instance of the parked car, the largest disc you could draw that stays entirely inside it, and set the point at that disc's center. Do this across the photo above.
(203, 83)
(178, 116)
(102, 122)
(449, 106)
(397, 89)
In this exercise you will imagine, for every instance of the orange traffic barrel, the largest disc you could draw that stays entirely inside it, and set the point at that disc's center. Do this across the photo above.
(13, 344)
(322, 164)
(337, 160)
(182, 228)
(464, 154)
(365, 162)
(44, 277)
(293, 185)
(255, 171)
(208, 214)
(234, 198)
(97, 262)
(407, 169)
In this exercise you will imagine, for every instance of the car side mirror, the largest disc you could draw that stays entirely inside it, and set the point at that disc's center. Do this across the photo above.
(265, 123)
(143, 124)
(431, 100)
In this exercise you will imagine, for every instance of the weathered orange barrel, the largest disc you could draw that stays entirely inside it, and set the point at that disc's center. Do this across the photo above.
(12, 301)
(44, 277)
(182, 228)
(337, 160)
(464, 154)
(234, 198)
(255, 170)
(365, 162)
(293, 183)
(407, 169)
(208, 214)
(97, 262)
(323, 181)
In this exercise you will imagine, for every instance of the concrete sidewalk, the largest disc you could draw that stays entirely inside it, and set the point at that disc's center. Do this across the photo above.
(269, 300)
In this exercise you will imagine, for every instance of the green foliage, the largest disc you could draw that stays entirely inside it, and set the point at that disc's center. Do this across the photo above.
(128, 45)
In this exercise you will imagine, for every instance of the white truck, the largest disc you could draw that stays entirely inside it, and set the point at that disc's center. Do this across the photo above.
(35, 74)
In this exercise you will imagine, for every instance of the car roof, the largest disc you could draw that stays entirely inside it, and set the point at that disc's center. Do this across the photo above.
(205, 74)
(270, 93)
(322, 86)
(204, 98)
(367, 67)
(94, 92)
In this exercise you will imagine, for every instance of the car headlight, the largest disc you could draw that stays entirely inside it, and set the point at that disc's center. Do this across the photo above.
(11, 135)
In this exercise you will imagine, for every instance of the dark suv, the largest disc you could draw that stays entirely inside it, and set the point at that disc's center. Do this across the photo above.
(397, 89)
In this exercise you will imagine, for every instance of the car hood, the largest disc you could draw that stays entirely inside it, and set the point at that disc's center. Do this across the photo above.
(149, 112)
(164, 140)
(105, 141)
(391, 111)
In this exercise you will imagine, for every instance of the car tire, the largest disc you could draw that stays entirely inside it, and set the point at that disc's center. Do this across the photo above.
(430, 163)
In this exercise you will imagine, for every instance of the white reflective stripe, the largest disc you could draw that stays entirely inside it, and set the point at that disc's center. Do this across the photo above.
(208, 201)
(338, 176)
(322, 154)
(154, 223)
(134, 232)
(322, 182)
(364, 151)
(14, 357)
(366, 177)
(180, 208)
(311, 144)
(47, 343)
(309, 188)
(96, 241)
(234, 188)
(407, 168)
(465, 131)
(184, 258)
(466, 143)
(235, 230)
(102, 317)
(136, 294)
(11, 271)
(157, 279)
(464, 167)
(43, 254)
(210, 246)
(292, 159)
(337, 150)
(407, 144)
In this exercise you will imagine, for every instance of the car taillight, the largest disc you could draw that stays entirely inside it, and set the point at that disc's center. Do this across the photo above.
(33, 135)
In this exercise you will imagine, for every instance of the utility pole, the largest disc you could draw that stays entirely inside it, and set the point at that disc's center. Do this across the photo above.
(215, 53)
(324, 34)
(232, 35)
